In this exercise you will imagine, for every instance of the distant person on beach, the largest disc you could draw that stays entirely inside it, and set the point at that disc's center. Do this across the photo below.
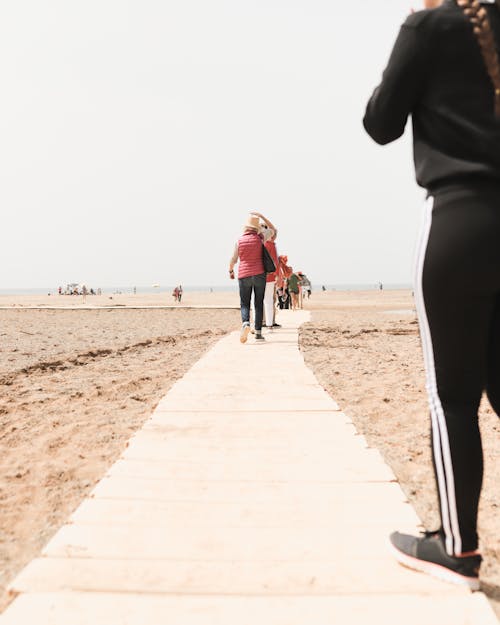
(251, 276)
(179, 293)
(444, 71)
(175, 294)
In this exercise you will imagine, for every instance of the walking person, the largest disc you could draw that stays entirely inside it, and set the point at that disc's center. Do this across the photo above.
(269, 234)
(251, 276)
(283, 298)
(305, 283)
(293, 289)
(444, 71)
(283, 273)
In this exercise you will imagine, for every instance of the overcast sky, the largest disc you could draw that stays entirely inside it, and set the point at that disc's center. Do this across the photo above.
(136, 136)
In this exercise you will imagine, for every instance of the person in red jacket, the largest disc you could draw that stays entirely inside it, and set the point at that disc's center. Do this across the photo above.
(251, 276)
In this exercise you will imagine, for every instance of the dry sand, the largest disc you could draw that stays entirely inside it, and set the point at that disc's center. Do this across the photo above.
(121, 300)
(75, 385)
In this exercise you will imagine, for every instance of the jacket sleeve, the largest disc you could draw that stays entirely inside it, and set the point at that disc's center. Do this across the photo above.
(402, 81)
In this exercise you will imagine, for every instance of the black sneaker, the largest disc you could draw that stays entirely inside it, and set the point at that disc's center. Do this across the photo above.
(427, 554)
(259, 337)
(276, 325)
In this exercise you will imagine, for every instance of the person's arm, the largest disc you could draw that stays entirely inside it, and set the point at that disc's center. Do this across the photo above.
(402, 82)
(265, 220)
(233, 261)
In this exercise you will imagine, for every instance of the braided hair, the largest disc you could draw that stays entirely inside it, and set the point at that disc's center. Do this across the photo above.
(478, 16)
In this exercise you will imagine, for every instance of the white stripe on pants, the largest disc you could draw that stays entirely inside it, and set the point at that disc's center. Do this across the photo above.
(269, 303)
(440, 442)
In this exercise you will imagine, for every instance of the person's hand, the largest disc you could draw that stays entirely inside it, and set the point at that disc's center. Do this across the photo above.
(231, 274)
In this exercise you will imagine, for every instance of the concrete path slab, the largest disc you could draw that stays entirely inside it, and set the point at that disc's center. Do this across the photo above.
(287, 513)
(286, 577)
(217, 543)
(239, 491)
(87, 608)
(248, 497)
(368, 469)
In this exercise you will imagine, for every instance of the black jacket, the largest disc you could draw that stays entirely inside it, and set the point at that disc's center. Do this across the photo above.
(437, 74)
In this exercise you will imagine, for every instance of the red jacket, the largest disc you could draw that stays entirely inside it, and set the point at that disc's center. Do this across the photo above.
(250, 255)
(271, 248)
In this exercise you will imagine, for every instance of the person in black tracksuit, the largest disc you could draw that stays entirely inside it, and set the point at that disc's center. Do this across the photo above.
(446, 75)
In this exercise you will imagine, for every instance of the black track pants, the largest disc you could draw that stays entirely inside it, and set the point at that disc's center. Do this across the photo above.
(457, 291)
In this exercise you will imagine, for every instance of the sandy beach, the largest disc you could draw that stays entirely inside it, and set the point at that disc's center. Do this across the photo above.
(75, 385)
(77, 382)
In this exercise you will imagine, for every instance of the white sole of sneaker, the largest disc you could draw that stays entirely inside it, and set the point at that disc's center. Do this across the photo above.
(244, 334)
(434, 570)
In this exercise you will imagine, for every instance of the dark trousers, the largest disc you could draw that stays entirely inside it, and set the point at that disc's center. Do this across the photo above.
(457, 292)
(257, 284)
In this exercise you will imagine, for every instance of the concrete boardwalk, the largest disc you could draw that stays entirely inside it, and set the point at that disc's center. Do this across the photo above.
(247, 498)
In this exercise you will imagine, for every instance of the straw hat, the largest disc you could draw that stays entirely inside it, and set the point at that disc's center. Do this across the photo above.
(252, 223)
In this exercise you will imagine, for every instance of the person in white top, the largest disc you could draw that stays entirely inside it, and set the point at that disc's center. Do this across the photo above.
(269, 233)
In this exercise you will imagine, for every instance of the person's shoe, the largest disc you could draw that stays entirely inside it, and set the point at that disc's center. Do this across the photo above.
(259, 337)
(427, 554)
(276, 325)
(245, 331)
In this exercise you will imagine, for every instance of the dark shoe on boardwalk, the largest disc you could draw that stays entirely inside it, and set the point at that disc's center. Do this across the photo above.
(427, 554)
(259, 337)
(276, 325)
